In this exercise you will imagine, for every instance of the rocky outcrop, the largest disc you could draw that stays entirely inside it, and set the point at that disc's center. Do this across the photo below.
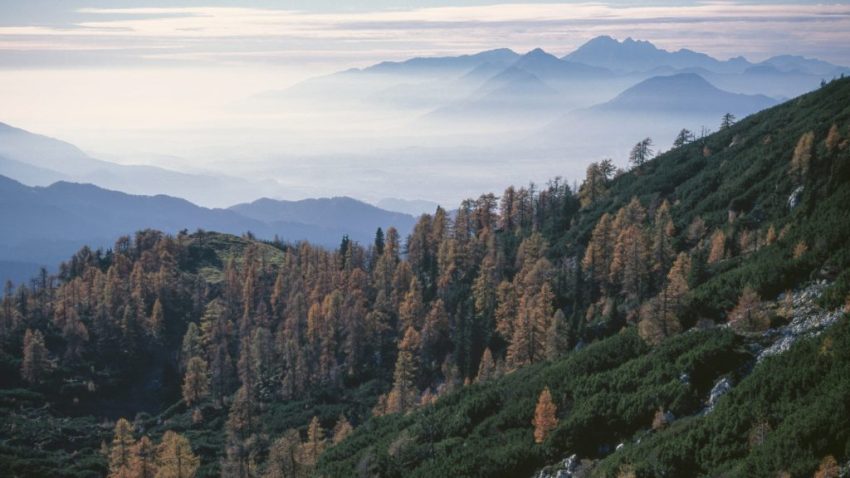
(720, 388)
(794, 197)
(807, 319)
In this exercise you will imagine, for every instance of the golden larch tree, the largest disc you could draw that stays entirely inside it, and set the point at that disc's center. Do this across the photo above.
(718, 247)
(404, 394)
(802, 157)
(828, 468)
(143, 461)
(545, 416)
(35, 363)
(175, 458)
(659, 315)
(342, 429)
(121, 451)
(486, 367)
(283, 456)
(315, 444)
(749, 315)
(196, 382)
(597, 256)
(833, 138)
(630, 261)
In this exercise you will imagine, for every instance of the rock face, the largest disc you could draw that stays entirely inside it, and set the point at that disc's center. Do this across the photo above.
(564, 469)
(794, 198)
(807, 320)
(720, 388)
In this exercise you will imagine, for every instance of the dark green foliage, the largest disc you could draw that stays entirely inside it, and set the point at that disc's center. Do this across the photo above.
(605, 393)
(802, 395)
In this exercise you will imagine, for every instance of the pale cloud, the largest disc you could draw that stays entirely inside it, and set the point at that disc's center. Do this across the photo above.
(226, 34)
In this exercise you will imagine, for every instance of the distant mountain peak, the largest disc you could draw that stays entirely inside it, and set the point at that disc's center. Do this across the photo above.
(538, 54)
(631, 55)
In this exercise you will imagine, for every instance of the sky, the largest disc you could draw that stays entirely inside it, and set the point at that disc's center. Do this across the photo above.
(110, 76)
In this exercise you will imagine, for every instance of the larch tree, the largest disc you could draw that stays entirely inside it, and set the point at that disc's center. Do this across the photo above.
(35, 363)
(240, 428)
(283, 456)
(486, 367)
(659, 316)
(717, 251)
(121, 451)
(195, 381)
(828, 468)
(435, 334)
(143, 461)
(677, 280)
(684, 137)
(528, 344)
(802, 157)
(175, 458)
(833, 139)
(630, 262)
(404, 394)
(663, 232)
(545, 416)
(156, 322)
(76, 335)
(597, 256)
(484, 290)
(411, 311)
(315, 444)
(770, 237)
(507, 304)
(749, 314)
(192, 345)
(506, 212)
(558, 337)
(217, 336)
(641, 152)
(341, 430)
(595, 184)
(727, 121)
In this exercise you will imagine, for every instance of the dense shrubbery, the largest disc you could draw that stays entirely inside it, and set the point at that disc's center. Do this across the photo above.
(605, 393)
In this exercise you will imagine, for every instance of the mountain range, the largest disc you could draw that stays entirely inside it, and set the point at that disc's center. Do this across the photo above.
(498, 93)
(598, 62)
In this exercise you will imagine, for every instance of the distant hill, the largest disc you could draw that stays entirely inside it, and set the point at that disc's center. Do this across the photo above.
(44, 225)
(414, 207)
(657, 108)
(686, 93)
(358, 219)
(38, 160)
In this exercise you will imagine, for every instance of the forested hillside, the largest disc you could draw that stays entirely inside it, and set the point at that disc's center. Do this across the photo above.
(433, 354)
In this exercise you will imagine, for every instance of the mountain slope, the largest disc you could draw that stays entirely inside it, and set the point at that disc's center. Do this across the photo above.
(436, 349)
(736, 182)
